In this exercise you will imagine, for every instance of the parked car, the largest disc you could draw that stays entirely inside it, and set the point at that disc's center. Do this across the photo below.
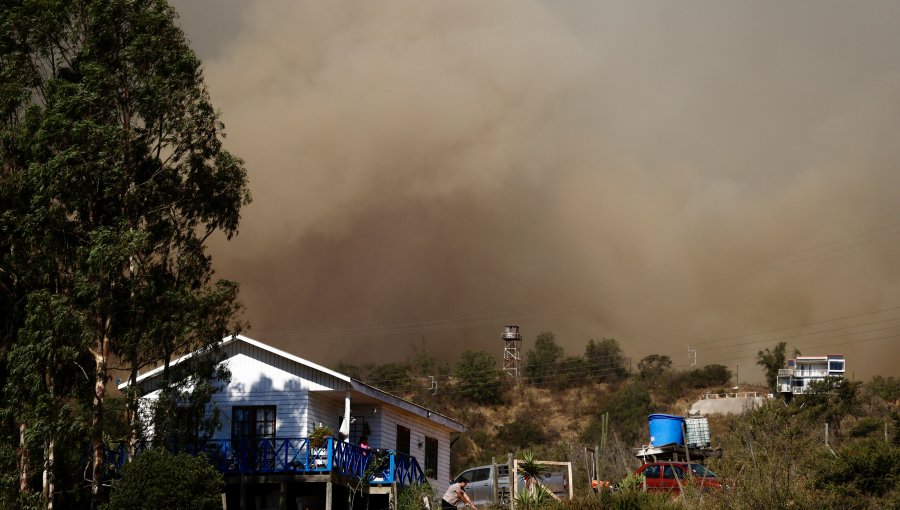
(674, 476)
(480, 482)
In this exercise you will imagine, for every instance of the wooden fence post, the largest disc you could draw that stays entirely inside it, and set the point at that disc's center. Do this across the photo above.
(495, 474)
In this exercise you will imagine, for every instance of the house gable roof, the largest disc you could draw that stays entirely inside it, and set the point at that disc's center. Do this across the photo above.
(354, 384)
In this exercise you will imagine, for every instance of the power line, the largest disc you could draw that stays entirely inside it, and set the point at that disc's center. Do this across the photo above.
(838, 246)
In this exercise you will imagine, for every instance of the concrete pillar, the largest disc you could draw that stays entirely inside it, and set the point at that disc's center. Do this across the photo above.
(328, 495)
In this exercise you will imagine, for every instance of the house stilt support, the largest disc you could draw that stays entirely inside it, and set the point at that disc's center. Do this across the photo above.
(329, 489)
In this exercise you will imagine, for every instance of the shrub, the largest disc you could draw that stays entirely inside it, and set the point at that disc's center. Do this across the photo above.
(604, 360)
(620, 501)
(523, 432)
(412, 497)
(887, 388)
(632, 483)
(157, 479)
(478, 378)
(867, 467)
(541, 361)
(628, 410)
(710, 375)
(865, 426)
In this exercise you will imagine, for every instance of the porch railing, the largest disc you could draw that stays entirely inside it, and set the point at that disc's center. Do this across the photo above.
(296, 455)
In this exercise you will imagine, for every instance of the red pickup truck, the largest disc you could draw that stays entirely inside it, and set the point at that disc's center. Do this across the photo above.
(674, 476)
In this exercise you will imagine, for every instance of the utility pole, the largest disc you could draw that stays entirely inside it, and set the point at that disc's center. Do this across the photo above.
(692, 355)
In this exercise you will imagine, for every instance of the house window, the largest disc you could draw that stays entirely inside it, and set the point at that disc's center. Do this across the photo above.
(431, 457)
(402, 439)
(836, 366)
(252, 422)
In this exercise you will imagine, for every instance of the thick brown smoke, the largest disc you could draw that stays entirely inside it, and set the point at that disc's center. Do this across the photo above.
(662, 173)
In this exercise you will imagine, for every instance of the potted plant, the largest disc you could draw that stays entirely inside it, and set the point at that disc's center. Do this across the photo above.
(318, 441)
(319, 437)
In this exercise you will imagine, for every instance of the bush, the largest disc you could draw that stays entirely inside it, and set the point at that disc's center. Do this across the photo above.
(541, 361)
(710, 375)
(411, 497)
(868, 467)
(157, 479)
(628, 410)
(620, 501)
(865, 426)
(604, 360)
(478, 378)
(886, 388)
(523, 432)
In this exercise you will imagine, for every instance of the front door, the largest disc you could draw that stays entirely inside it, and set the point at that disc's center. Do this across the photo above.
(253, 437)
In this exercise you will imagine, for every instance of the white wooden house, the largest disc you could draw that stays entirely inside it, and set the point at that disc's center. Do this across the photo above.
(276, 399)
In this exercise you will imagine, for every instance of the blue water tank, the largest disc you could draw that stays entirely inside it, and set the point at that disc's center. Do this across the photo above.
(666, 429)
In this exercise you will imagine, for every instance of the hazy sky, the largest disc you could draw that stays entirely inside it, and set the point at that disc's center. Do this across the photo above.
(706, 173)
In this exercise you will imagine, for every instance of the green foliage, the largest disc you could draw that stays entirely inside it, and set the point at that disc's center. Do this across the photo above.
(641, 501)
(772, 361)
(621, 501)
(319, 436)
(184, 415)
(113, 178)
(389, 376)
(831, 400)
(478, 379)
(157, 479)
(530, 468)
(411, 497)
(604, 360)
(628, 409)
(766, 459)
(536, 497)
(540, 361)
(866, 426)
(865, 468)
(523, 432)
(886, 388)
(709, 375)
(632, 483)
(653, 366)
(571, 371)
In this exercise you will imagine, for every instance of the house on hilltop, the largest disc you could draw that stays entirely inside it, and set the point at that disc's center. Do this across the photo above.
(802, 371)
(269, 410)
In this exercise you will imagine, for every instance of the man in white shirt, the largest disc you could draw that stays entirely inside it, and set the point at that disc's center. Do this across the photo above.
(456, 493)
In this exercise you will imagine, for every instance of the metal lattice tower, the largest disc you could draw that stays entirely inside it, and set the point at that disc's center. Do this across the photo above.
(511, 357)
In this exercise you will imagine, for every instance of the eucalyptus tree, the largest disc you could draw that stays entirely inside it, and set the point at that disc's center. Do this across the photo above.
(112, 178)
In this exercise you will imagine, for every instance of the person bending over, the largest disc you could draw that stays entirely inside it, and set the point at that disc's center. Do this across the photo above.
(456, 493)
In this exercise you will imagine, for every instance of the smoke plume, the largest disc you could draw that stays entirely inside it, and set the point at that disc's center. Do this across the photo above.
(708, 174)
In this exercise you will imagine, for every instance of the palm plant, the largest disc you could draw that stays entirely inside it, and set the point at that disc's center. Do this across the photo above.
(532, 471)
(535, 497)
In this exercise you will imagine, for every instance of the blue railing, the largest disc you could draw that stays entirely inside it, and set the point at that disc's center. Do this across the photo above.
(295, 455)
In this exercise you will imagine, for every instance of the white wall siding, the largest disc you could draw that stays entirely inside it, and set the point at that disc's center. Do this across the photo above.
(324, 410)
(419, 428)
(305, 394)
(257, 382)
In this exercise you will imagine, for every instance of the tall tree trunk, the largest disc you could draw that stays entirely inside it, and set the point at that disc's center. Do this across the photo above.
(48, 485)
(132, 403)
(23, 459)
(101, 357)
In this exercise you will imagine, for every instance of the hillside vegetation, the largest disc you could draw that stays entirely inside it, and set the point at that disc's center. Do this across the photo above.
(775, 456)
